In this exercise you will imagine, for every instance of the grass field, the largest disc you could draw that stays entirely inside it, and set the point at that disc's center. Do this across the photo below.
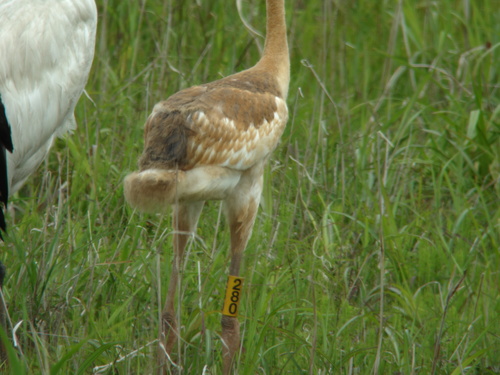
(377, 246)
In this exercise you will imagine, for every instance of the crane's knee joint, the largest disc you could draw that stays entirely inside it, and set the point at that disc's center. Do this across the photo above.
(168, 321)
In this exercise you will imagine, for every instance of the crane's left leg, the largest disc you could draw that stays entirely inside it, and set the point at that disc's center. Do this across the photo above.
(241, 208)
(185, 219)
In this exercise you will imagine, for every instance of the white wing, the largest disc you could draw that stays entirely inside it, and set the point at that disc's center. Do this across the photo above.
(46, 51)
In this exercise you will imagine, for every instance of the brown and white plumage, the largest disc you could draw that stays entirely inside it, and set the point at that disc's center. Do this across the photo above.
(211, 142)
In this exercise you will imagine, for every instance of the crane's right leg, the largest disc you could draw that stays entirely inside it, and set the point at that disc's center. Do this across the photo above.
(185, 218)
(241, 209)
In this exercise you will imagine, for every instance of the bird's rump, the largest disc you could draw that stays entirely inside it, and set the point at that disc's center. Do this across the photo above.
(166, 135)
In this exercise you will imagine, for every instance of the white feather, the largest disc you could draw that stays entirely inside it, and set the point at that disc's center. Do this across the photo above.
(46, 51)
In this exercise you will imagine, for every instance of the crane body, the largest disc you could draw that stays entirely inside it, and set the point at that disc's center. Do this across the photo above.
(46, 50)
(211, 142)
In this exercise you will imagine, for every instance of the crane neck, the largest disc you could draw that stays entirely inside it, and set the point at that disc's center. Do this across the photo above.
(275, 57)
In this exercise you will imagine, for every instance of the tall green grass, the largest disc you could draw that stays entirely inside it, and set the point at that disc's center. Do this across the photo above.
(377, 246)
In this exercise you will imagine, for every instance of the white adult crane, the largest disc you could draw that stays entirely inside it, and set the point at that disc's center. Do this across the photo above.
(46, 51)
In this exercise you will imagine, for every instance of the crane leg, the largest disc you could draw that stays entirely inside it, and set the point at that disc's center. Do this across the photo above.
(241, 210)
(185, 218)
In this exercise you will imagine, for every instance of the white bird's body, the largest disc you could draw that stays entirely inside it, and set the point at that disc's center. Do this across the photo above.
(46, 51)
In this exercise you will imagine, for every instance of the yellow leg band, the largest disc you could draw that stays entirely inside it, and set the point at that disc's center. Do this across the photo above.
(233, 296)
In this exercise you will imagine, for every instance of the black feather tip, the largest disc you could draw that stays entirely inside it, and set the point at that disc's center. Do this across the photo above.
(5, 145)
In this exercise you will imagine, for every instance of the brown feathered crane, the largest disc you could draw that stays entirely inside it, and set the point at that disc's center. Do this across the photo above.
(211, 142)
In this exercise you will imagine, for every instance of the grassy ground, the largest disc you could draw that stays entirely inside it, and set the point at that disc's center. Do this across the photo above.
(377, 246)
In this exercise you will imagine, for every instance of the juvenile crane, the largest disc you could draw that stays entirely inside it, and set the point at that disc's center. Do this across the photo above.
(46, 50)
(211, 142)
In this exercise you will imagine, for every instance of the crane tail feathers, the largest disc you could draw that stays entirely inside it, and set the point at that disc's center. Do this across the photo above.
(5, 133)
(4, 189)
(5, 145)
(152, 190)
